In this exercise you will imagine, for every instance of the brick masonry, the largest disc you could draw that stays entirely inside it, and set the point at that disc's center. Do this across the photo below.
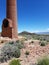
(9, 26)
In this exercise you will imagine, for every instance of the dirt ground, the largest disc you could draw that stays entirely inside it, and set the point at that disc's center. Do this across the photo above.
(35, 52)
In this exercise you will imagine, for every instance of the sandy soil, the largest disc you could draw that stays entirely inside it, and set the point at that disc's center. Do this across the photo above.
(35, 52)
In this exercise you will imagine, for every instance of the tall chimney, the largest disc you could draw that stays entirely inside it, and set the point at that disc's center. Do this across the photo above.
(11, 20)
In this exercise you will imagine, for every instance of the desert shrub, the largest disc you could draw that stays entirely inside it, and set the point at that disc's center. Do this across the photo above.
(11, 42)
(17, 41)
(43, 61)
(15, 62)
(1, 59)
(19, 44)
(2, 41)
(27, 52)
(44, 39)
(9, 51)
(32, 41)
(22, 42)
(43, 43)
(47, 40)
(40, 39)
(16, 53)
(25, 39)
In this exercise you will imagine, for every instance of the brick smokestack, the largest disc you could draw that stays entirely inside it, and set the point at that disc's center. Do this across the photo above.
(11, 10)
(11, 16)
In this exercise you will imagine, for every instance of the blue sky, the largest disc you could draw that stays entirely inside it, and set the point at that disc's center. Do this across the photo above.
(33, 15)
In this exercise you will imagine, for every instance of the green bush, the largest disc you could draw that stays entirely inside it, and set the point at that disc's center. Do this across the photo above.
(43, 61)
(15, 62)
(43, 43)
(27, 52)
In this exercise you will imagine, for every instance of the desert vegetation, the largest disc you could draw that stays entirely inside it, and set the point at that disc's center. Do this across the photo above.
(10, 50)
(26, 50)
(15, 62)
(43, 43)
(35, 36)
(43, 61)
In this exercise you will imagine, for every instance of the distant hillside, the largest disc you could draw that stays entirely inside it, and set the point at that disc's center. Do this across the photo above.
(26, 33)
